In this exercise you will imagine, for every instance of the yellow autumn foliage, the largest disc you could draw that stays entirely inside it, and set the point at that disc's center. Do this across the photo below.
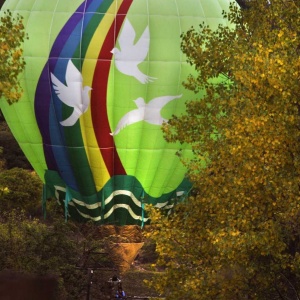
(238, 235)
(12, 35)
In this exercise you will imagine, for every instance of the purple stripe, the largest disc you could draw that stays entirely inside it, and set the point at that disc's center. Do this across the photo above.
(65, 34)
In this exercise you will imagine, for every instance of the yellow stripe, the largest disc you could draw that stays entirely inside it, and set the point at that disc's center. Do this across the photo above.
(97, 165)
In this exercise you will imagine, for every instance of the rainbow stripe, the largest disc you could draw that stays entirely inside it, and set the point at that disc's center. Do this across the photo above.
(91, 34)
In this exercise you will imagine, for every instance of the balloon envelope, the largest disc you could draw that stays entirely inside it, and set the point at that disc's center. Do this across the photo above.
(101, 77)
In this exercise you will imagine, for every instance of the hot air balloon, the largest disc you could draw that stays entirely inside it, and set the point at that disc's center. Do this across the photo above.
(101, 78)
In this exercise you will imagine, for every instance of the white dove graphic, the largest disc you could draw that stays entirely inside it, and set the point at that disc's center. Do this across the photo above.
(72, 94)
(131, 55)
(148, 112)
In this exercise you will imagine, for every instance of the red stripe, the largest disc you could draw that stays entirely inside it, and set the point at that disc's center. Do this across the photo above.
(99, 93)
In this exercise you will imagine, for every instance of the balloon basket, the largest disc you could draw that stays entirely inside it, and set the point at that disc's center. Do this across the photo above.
(123, 254)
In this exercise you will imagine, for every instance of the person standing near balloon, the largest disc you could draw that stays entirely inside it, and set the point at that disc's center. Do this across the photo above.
(120, 293)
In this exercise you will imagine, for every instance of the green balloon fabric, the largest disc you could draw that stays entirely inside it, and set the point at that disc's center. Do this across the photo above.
(101, 78)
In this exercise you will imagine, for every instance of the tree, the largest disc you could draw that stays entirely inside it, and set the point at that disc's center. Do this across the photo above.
(12, 35)
(32, 247)
(238, 237)
(20, 189)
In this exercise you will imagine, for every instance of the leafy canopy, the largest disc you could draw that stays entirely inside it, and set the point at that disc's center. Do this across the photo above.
(238, 236)
(12, 35)
(20, 189)
(33, 247)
